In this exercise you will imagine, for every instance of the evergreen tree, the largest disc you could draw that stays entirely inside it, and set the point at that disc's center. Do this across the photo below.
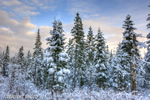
(147, 56)
(37, 57)
(71, 62)
(1, 62)
(38, 43)
(56, 58)
(29, 55)
(117, 71)
(90, 50)
(101, 64)
(21, 60)
(126, 54)
(21, 73)
(29, 65)
(21, 57)
(130, 55)
(79, 52)
(6, 62)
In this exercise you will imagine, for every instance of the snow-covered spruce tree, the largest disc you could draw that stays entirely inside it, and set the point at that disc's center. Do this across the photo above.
(79, 53)
(147, 56)
(20, 58)
(101, 64)
(90, 50)
(21, 61)
(37, 57)
(6, 62)
(29, 66)
(130, 55)
(71, 62)
(117, 71)
(18, 74)
(1, 62)
(57, 58)
(112, 83)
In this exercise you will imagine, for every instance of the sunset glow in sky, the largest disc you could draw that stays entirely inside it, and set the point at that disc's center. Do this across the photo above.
(20, 19)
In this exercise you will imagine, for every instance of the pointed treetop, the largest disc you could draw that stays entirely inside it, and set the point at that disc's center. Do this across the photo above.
(29, 54)
(99, 33)
(99, 30)
(20, 53)
(7, 49)
(90, 28)
(38, 30)
(77, 14)
(7, 54)
(38, 42)
(128, 24)
(90, 34)
(128, 16)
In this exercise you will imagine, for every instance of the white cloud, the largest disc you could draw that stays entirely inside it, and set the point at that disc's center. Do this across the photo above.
(25, 10)
(16, 33)
(85, 7)
(10, 2)
(44, 4)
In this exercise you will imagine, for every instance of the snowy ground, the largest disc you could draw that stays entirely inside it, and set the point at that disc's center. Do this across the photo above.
(77, 94)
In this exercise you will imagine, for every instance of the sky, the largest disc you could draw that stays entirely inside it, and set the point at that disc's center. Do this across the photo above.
(20, 20)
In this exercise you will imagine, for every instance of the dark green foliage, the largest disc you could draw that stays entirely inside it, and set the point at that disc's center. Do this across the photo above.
(37, 57)
(147, 56)
(101, 61)
(6, 62)
(79, 52)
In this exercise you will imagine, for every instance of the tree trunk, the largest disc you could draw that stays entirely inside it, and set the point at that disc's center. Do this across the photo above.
(133, 88)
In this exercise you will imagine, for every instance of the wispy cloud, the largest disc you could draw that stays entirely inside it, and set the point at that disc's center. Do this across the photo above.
(15, 32)
(10, 2)
(86, 8)
(27, 7)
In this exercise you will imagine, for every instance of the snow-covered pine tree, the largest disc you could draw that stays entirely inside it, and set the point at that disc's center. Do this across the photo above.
(37, 57)
(113, 75)
(1, 62)
(20, 75)
(21, 56)
(130, 54)
(6, 62)
(71, 62)
(116, 70)
(21, 59)
(147, 56)
(29, 66)
(57, 58)
(126, 54)
(101, 64)
(90, 50)
(79, 52)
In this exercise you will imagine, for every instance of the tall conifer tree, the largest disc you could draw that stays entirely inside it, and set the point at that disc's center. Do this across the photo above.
(147, 56)
(101, 61)
(90, 57)
(6, 62)
(38, 57)
(79, 58)
(56, 58)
